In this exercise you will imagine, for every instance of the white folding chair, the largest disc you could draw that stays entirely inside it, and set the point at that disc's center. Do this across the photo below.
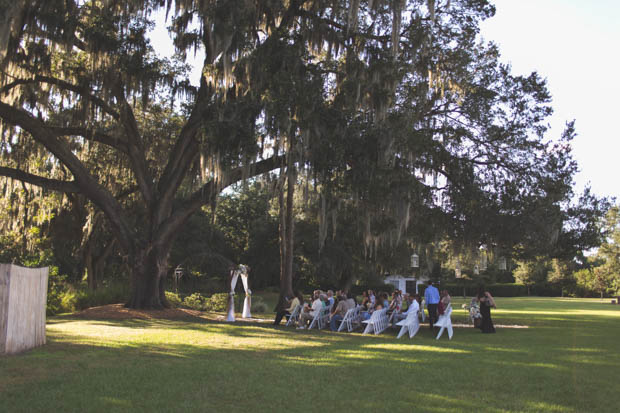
(324, 317)
(351, 317)
(411, 324)
(320, 318)
(392, 318)
(377, 323)
(445, 323)
(294, 317)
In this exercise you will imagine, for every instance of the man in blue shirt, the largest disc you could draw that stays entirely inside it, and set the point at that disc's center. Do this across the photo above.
(431, 295)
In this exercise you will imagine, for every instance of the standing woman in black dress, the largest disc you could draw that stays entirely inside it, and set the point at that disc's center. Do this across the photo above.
(486, 302)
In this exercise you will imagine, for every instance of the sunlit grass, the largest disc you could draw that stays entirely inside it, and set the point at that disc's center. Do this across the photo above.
(566, 361)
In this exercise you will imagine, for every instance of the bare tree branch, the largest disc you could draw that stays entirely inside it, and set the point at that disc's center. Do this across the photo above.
(88, 184)
(135, 145)
(203, 195)
(95, 136)
(179, 162)
(80, 90)
(47, 183)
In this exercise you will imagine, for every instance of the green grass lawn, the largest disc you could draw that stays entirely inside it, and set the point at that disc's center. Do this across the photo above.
(568, 360)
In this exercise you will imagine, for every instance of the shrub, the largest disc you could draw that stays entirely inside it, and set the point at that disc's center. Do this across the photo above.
(547, 290)
(508, 290)
(174, 299)
(219, 302)
(68, 301)
(195, 301)
(61, 296)
(258, 305)
(108, 293)
(498, 290)
(272, 289)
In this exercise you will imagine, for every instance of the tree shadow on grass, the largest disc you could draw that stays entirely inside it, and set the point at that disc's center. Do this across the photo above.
(341, 374)
(220, 359)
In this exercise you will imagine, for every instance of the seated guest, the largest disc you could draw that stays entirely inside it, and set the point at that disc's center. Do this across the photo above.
(372, 299)
(333, 311)
(324, 300)
(445, 297)
(407, 298)
(339, 312)
(366, 314)
(417, 297)
(444, 301)
(365, 300)
(350, 298)
(414, 307)
(308, 313)
(330, 298)
(397, 301)
(297, 299)
(383, 299)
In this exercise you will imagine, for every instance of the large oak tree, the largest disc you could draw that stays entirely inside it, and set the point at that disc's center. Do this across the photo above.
(80, 83)
(371, 100)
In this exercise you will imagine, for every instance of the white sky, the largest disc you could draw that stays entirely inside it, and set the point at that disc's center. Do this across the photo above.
(574, 45)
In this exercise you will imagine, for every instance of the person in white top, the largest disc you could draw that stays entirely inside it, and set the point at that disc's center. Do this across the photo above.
(307, 314)
(414, 307)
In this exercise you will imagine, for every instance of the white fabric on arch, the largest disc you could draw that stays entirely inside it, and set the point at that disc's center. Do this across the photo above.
(247, 303)
(231, 296)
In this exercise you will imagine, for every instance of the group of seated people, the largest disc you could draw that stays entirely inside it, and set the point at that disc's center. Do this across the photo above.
(370, 303)
(398, 308)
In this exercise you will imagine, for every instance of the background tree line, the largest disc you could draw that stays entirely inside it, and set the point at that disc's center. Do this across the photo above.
(244, 229)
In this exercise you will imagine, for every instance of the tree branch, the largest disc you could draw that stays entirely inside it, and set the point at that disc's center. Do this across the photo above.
(135, 145)
(80, 90)
(95, 136)
(203, 195)
(88, 185)
(179, 162)
(47, 183)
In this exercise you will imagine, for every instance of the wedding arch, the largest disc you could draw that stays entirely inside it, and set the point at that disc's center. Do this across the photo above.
(242, 271)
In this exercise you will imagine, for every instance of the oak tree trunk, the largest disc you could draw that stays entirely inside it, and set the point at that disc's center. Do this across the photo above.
(149, 270)
(287, 224)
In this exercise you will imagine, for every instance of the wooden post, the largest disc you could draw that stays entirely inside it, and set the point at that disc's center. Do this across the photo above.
(23, 297)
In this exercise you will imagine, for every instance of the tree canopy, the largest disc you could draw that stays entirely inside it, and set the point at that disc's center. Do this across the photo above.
(394, 108)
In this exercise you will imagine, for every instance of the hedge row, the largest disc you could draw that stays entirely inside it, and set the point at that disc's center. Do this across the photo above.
(497, 290)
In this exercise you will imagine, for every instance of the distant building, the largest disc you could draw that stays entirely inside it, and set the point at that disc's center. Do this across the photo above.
(405, 284)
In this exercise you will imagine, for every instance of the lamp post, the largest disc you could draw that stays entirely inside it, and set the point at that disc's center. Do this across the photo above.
(178, 273)
(415, 263)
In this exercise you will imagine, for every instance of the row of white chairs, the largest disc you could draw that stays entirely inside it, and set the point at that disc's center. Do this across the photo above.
(378, 322)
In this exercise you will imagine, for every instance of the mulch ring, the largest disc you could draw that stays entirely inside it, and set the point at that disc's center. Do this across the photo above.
(120, 312)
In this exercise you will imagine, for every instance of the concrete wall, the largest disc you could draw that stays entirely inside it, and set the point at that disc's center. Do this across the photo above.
(23, 296)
